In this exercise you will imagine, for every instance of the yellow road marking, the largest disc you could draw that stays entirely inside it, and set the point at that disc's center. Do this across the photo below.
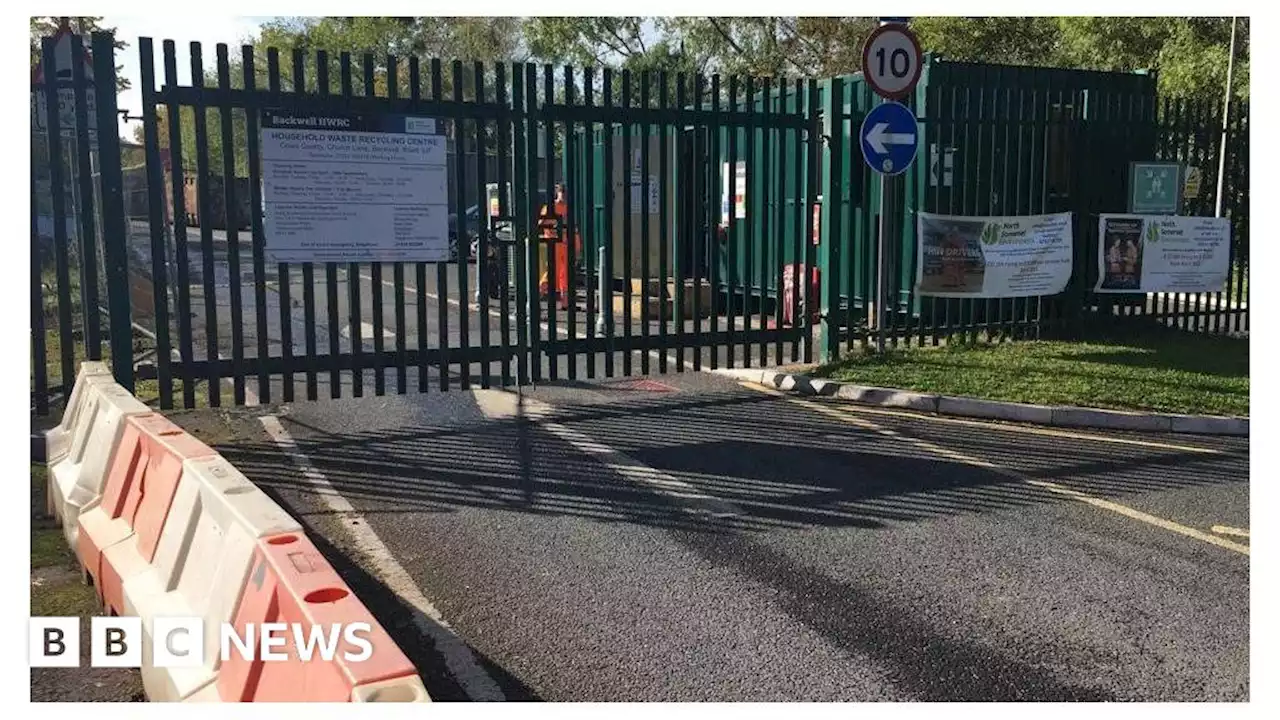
(977, 462)
(1007, 427)
(1227, 530)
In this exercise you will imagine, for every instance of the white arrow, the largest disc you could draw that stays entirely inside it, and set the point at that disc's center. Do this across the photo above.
(878, 138)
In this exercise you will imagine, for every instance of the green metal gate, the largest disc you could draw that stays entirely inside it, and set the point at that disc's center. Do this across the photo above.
(705, 221)
(659, 284)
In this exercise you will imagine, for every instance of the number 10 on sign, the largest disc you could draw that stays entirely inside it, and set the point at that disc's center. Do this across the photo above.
(891, 61)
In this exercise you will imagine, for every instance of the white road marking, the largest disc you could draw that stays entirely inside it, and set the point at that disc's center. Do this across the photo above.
(497, 404)
(458, 658)
(367, 332)
(581, 335)
(1227, 530)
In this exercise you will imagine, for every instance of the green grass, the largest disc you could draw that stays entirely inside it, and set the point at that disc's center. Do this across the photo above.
(38, 485)
(58, 592)
(1134, 369)
(49, 549)
(64, 599)
(148, 391)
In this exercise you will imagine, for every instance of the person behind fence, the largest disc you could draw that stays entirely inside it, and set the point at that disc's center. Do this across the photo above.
(552, 236)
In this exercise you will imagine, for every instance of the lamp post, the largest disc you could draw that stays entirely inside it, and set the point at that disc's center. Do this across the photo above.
(1226, 116)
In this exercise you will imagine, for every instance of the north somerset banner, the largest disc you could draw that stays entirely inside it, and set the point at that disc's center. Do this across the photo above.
(1162, 253)
(993, 257)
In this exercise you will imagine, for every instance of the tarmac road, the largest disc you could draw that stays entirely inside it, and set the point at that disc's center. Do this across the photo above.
(695, 539)
(685, 537)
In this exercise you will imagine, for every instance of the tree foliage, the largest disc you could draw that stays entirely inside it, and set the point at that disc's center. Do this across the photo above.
(1189, 53)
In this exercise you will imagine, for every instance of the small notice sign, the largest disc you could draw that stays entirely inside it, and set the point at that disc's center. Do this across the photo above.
(1191, 185)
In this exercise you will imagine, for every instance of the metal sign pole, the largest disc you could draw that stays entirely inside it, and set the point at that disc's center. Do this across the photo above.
(1226, 117)
(881, 274)
(891, 65)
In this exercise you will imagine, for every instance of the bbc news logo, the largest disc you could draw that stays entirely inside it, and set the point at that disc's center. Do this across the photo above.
(180, 642)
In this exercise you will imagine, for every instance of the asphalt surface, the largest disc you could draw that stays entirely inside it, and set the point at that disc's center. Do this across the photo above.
(854, 564)
(683, 537)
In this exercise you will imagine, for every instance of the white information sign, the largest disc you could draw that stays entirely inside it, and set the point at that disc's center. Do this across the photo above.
(354, 188)
(739, 192)
(1162, 253)
(66, 95)
(993, 257)
(638, 205)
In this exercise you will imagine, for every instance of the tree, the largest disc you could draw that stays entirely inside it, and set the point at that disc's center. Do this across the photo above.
(41, 27)
(1002, 40)
(606, 41)
(1189, 53)
(465, 39)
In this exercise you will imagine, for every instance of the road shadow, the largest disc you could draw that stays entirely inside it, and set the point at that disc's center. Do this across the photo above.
(778, 465)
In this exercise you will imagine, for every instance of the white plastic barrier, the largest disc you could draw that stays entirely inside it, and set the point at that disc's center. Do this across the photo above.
(201, 567)
(58, 439)
(80, 453)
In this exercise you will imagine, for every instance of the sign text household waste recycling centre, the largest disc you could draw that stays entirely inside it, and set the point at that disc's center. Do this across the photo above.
(354, 188)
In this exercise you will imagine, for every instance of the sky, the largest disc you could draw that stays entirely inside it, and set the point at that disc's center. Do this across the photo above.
(182, 29)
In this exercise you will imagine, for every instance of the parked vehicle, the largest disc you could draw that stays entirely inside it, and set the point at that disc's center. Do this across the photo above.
(473, 234)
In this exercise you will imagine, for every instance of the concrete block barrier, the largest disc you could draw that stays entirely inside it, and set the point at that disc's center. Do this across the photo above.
(79, 463)
(291, 582)
(120, 532)
(201, 565)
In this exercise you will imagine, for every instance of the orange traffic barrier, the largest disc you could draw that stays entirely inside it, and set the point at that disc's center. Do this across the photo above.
(119, 534)
(291, 582)
(201, 566)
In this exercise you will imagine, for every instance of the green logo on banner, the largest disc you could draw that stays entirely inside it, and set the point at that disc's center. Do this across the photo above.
(1153, 234)
(990, 233)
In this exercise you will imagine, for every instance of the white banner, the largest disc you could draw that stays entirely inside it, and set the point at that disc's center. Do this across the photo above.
(1162, 253)
(993, 257)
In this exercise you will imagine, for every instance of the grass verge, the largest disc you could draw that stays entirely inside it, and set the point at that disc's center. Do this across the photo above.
(1145, 369)
(57, 591)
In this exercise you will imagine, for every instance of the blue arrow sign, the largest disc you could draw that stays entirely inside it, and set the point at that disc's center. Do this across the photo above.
(889, 137)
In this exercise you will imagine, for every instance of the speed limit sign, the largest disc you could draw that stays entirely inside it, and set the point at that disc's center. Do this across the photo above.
(891, 61)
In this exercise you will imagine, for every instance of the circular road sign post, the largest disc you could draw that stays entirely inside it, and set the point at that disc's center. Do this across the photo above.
(892, 61)
(889, 137)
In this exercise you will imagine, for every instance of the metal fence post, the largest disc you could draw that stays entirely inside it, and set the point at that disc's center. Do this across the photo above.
(604, 323)
(829, 248)
(114, 233)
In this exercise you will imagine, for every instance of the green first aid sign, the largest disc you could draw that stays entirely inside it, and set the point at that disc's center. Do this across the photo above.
(1155, 188)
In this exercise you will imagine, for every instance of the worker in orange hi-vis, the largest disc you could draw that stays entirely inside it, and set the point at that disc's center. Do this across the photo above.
(547, 224)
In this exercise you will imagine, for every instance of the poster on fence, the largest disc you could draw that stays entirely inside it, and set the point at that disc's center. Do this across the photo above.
(993, 257)
(345, 187)
(739, 194)
(1162, 253)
